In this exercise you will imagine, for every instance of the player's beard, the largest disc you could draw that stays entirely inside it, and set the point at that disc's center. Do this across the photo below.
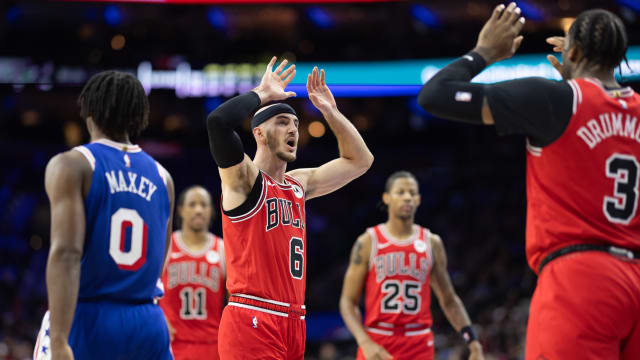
(273, 143)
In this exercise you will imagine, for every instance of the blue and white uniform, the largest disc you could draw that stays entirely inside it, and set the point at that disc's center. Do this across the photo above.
(127, 210)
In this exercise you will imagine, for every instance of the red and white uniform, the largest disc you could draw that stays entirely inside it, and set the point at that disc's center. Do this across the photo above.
(194, 297)
(266, 261)
(398, 294)
(583, 189)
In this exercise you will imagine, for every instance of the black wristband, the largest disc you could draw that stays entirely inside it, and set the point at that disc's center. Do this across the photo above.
(478, 63)
(468, 334)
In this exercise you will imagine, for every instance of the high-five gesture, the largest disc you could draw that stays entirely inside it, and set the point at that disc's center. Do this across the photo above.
(319, 92)
(500, 37)
(274, 82)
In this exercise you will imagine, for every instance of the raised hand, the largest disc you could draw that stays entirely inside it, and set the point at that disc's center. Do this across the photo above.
(274, 82)
(500, 37)
(558, 45)
(319, 92)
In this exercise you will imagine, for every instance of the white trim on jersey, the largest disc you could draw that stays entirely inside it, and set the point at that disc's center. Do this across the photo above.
(183, 247)
(380, 332)
(120, 146)
(385, 324)
(396, 241)
(274, 302)
(617, 93)
(533, 150)
(254, 210)
(161, 171)
(257, 308)
(374, 246)
(223, 263)
(574, 90)
(417, 332)
(87, 154)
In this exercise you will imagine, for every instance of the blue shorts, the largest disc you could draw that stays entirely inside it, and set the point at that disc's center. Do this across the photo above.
(113, 331)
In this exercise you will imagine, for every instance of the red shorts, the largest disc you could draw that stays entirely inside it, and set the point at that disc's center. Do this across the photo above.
(183, 350)
(255, 334)
(404, 347)
(586, 306)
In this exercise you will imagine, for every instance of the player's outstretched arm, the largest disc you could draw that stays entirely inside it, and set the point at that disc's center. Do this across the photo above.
(536, 107)
(355, 158)
(237, 171)
(352, 288)
(64, 180)
(449, 301)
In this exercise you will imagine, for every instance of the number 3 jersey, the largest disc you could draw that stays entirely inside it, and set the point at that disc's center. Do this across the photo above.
(583, 188)
(397, 291)
(265, 242)
(127, 210)
(194, 289)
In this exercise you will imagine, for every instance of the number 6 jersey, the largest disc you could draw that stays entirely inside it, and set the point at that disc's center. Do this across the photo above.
(265, 242)
(583, 188)
(397, 289)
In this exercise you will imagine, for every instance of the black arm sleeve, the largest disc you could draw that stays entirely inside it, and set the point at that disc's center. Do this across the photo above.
(536, 107)
(224, 143)
(449, 93)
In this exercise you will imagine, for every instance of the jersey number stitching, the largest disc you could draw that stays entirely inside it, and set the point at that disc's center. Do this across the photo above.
(193, 303)
(410, 293)
(121, 221)
(621, 207)
(296, 257)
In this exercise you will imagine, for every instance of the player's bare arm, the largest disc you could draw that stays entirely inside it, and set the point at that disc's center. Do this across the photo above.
(355, 158)
(352, 287)
(67, 179)
(237, 172)
(450, 303)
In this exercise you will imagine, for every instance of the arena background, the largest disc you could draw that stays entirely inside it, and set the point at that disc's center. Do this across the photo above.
(471, 180)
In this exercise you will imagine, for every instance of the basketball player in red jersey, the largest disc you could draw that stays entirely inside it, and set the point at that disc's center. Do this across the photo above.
(263, 208)
(193, 280)
(396, 262)
(583, 153)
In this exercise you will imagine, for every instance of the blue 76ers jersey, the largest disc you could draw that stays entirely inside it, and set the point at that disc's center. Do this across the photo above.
(127, 210)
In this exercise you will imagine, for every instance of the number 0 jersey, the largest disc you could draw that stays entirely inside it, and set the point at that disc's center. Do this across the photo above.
(127, 210)
(265, 246)
(194, 289)
(397, 289)
(583, 188)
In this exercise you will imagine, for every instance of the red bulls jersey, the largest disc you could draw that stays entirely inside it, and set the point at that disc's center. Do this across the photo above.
(266, 247)
(194, 289)
(583, 188)
(397, 292)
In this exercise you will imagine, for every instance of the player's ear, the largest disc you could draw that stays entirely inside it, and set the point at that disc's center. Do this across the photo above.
(259, 135)
(574, 54)
(386, 198)
(418, 200)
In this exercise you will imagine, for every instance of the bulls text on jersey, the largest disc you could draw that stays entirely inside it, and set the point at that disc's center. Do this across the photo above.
(187, 272)
(394, 263)
(280, 212)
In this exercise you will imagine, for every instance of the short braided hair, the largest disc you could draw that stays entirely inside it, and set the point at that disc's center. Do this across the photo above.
(601, 36)
(116, 102)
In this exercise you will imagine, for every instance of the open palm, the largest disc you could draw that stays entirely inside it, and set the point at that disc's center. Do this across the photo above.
(274, 82)
(319, 92)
